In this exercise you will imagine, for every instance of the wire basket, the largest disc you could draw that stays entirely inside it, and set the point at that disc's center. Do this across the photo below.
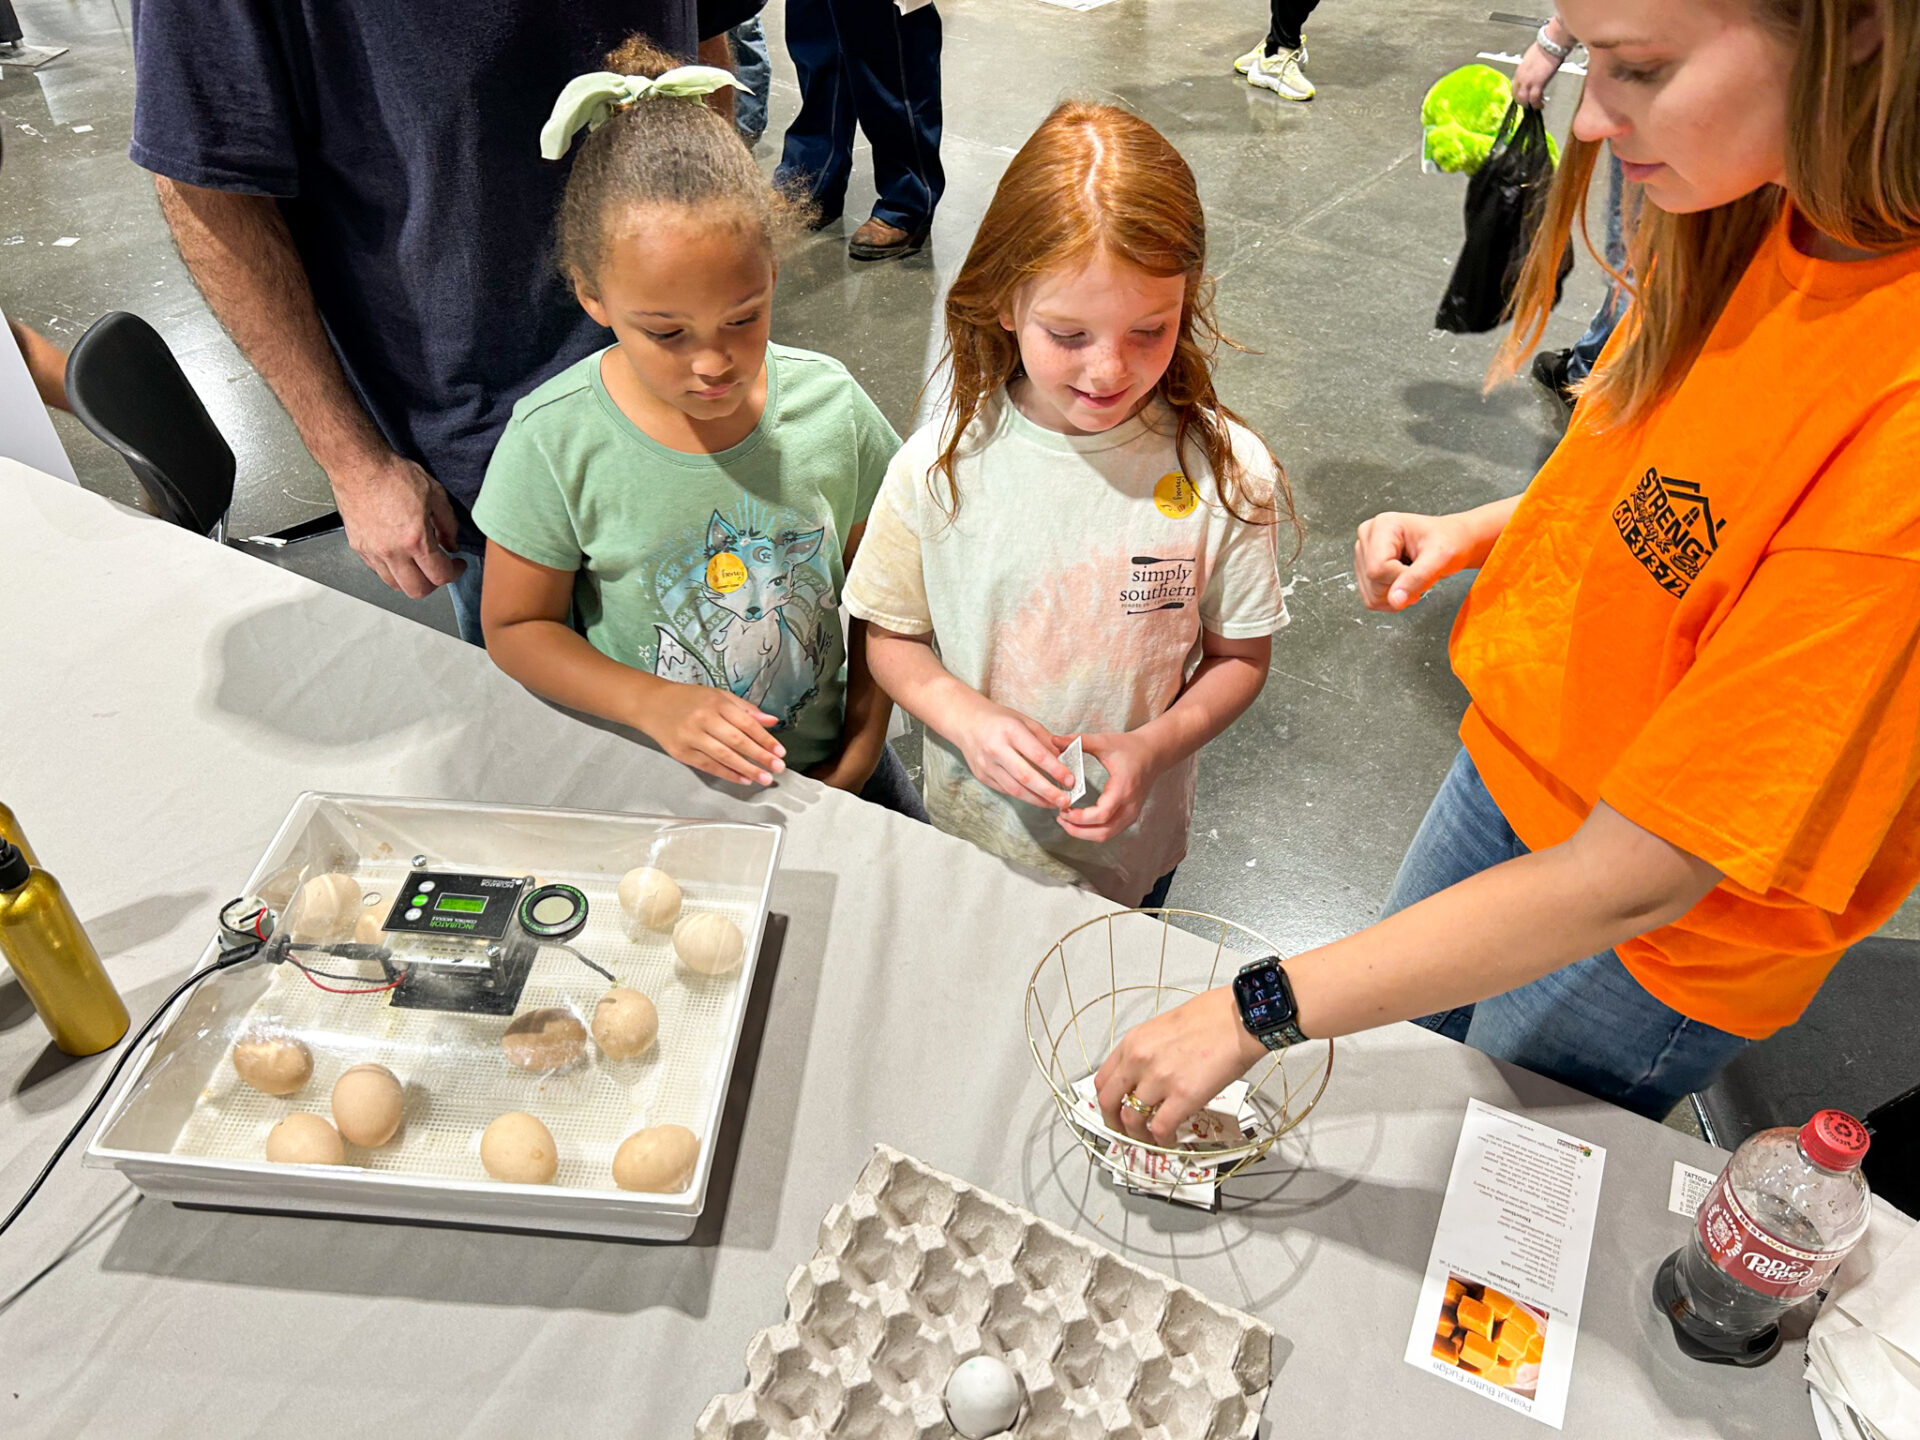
(1107, 975)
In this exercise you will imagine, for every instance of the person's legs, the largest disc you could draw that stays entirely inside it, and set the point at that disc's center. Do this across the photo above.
(893, 65)
(891, 787)
(465, 594)
(1287, 21)
(1279, 64)
(817, 154)
(1586, 350)
(1593, 1026)
(1463, 833)
(1157, 896)
(753, 67)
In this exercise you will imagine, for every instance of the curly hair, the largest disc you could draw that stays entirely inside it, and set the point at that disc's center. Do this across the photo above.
(663, 151)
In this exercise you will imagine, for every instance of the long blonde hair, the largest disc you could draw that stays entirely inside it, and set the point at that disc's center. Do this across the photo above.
(1095, 176)
(1853, 169)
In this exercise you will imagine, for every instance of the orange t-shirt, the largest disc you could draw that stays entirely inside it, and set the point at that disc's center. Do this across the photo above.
(1710, 621)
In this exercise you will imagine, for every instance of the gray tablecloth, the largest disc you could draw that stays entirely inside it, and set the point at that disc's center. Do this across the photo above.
(162, 702)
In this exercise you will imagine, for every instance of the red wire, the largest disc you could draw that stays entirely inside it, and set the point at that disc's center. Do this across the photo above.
(314, 981)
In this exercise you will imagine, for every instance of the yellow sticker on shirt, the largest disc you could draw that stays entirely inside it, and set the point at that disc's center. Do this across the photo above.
(1175, 496)
(725, 573)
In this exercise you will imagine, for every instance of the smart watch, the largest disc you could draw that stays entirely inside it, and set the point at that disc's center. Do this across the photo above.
(1266, 1004)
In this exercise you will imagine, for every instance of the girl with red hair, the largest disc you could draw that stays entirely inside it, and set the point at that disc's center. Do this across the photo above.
(1082, 545)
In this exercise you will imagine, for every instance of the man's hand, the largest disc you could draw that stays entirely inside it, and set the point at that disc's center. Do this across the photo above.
(712, 730)
(1132, 764)
(1013, 753)
(1174, 1064)
(401, 523)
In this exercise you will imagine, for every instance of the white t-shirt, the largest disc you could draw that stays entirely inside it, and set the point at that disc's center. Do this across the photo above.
(1072, 586)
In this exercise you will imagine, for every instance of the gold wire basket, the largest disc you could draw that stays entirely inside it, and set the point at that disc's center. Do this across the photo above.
(1111, 973)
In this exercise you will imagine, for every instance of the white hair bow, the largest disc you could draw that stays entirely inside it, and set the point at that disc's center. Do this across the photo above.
(590, 100)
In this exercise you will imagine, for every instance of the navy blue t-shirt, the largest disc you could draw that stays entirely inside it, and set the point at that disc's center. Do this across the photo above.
(403, 144)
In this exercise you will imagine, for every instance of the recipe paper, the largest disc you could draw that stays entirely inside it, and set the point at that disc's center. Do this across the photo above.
(1499, 1309)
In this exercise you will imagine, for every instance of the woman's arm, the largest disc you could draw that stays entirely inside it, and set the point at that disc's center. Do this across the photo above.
(1013, 753)
(863, 730)
(1493, 932)
(1227, 680)
(523, 614)
(1398, 558)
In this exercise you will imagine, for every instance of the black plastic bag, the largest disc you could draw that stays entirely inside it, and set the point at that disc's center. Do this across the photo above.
(1505, 200)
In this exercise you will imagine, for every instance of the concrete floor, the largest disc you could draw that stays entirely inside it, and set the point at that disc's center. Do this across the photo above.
(1331, 250)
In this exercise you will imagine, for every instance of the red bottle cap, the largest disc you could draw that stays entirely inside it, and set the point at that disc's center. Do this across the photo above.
(1834, 1140)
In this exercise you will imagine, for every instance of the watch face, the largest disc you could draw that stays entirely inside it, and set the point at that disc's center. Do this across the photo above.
(1265, 1003)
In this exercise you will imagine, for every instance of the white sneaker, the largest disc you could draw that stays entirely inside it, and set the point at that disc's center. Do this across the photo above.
(1259, 52)
(1282, 74)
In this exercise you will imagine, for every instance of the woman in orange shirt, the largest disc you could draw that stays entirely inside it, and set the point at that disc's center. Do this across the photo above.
(1691, 766)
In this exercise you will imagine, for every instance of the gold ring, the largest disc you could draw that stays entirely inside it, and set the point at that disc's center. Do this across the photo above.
(1139, 1107)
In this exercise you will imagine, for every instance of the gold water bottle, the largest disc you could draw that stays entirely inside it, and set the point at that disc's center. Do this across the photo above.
(54, 960)
(10, 830)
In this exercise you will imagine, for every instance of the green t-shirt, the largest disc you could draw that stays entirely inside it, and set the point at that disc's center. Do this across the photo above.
(721, 569)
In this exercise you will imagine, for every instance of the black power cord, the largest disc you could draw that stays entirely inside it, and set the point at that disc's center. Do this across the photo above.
(242, 956)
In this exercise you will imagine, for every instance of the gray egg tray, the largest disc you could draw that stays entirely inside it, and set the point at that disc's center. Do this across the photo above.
(917, 1271)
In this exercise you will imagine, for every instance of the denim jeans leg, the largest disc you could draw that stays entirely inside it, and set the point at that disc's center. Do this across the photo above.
(1463, 833)
(1593, 1026)
(753, 67)
(465, 594)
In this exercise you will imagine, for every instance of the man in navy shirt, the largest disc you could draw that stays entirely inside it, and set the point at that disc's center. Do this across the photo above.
(357, 189)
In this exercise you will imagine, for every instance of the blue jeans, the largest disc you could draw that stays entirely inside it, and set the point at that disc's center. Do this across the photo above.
(1589, 1025)
(753, 67)
(465, 594)
(862, 61)
(1586, 350)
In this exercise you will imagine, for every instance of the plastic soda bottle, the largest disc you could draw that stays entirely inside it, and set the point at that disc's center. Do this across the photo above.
(1779, 1220)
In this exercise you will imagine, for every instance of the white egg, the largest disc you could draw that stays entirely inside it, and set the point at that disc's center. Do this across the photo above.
(709, 944)
(651, 899)
(983, 1397)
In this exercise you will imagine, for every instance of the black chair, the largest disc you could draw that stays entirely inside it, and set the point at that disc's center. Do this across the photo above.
(1856, 1049)
(126, 387)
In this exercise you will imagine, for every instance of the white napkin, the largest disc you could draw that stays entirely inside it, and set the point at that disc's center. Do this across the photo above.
(1863, 1353)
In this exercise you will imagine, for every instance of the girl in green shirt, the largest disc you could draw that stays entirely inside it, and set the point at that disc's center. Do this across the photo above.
(669, 522)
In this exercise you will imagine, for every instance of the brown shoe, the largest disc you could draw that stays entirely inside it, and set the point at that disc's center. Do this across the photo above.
(877, 240)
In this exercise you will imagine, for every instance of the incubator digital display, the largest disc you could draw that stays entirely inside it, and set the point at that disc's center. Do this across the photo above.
(473, 904)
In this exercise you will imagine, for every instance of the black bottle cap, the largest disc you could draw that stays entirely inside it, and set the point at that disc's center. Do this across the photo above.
(14, 870)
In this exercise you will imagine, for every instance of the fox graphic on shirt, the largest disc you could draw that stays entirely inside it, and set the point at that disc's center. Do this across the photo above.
(762, 605)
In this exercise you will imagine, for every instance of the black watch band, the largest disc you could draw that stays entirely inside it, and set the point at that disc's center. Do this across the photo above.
(1265, 999)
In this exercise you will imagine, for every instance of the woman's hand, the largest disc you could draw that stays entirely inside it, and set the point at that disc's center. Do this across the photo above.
(1530, 79)
(1133, 764)
(714, 731)
(1012, 753)
(1397, 558)
(1174, 1064)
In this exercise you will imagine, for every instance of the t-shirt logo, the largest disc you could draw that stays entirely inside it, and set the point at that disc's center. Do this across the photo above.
(1175, 496)
(1669, 526)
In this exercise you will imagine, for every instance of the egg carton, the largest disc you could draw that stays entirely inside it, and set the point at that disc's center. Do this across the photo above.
(917, 1271)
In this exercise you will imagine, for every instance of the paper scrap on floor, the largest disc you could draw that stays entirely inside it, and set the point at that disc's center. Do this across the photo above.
(1226, 1121)
(1499, 1308)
